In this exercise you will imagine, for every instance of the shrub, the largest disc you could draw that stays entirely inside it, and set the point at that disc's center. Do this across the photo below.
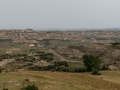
(61, 63)
(0, 70)
(104, 68)
(81, 69)
(115, 43)
(30, 87)
(95, 72)
(46, 56)
(5, 88)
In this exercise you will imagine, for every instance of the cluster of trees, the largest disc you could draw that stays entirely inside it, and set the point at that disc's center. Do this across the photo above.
(61, 66)
(61, 63)
(58, 66)
(91, 62)
(115, 43)
(46, 56)
(6, 40)
(5, 56)
(25, 58)
(10, 56)
(46, 41)
(80, 69)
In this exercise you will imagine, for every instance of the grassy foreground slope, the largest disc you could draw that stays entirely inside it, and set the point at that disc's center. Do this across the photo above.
(61, 81)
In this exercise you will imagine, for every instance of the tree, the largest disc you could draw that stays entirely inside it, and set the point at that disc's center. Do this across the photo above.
(92, 63)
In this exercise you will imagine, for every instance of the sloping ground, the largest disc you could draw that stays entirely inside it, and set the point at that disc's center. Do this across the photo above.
(109, 54)
(112, 76)
(60, 80)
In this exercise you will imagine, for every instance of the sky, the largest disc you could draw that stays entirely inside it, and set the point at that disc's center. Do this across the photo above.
(59, 14)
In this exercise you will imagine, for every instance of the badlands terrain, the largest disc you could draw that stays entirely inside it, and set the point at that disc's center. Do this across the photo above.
(50, 59)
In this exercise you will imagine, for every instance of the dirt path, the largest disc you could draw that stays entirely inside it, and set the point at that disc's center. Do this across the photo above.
(61, 57)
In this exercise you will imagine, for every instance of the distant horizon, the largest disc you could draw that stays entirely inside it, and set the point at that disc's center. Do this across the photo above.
(62, 29)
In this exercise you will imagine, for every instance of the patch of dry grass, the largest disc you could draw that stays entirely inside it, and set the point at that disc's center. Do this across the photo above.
(58, 81)
(112, 76)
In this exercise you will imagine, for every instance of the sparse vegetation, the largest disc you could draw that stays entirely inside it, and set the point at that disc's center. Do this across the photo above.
(109, 80)
(104, 67)
(6, 40)
(30, 87)
(58, 51)
(5, 88)
(115, 43)
(0, 70)
(58, 66)
(80, 69)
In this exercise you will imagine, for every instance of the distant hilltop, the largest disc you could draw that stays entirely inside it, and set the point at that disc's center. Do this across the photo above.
(31, 36)
(29, 30)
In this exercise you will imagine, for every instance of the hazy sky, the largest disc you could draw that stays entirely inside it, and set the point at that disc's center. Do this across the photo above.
(59, 14)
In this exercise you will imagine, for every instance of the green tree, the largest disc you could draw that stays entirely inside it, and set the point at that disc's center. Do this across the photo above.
(92, 63)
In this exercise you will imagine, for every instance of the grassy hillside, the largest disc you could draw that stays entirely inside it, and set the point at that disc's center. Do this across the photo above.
(109, 80)
(112, 76)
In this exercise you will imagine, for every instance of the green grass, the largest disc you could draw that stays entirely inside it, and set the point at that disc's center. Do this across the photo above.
(54, 43)
(60, 80)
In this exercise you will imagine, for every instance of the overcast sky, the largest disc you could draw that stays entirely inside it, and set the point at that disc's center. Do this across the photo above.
(59, 14)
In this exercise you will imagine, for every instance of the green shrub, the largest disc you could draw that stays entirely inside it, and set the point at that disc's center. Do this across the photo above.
(61, 63)
(46, 56)
(81, 69)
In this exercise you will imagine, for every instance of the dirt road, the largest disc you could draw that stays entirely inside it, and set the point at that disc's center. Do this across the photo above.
(61, 57)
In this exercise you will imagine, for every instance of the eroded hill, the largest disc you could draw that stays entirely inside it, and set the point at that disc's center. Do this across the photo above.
(109, 53)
